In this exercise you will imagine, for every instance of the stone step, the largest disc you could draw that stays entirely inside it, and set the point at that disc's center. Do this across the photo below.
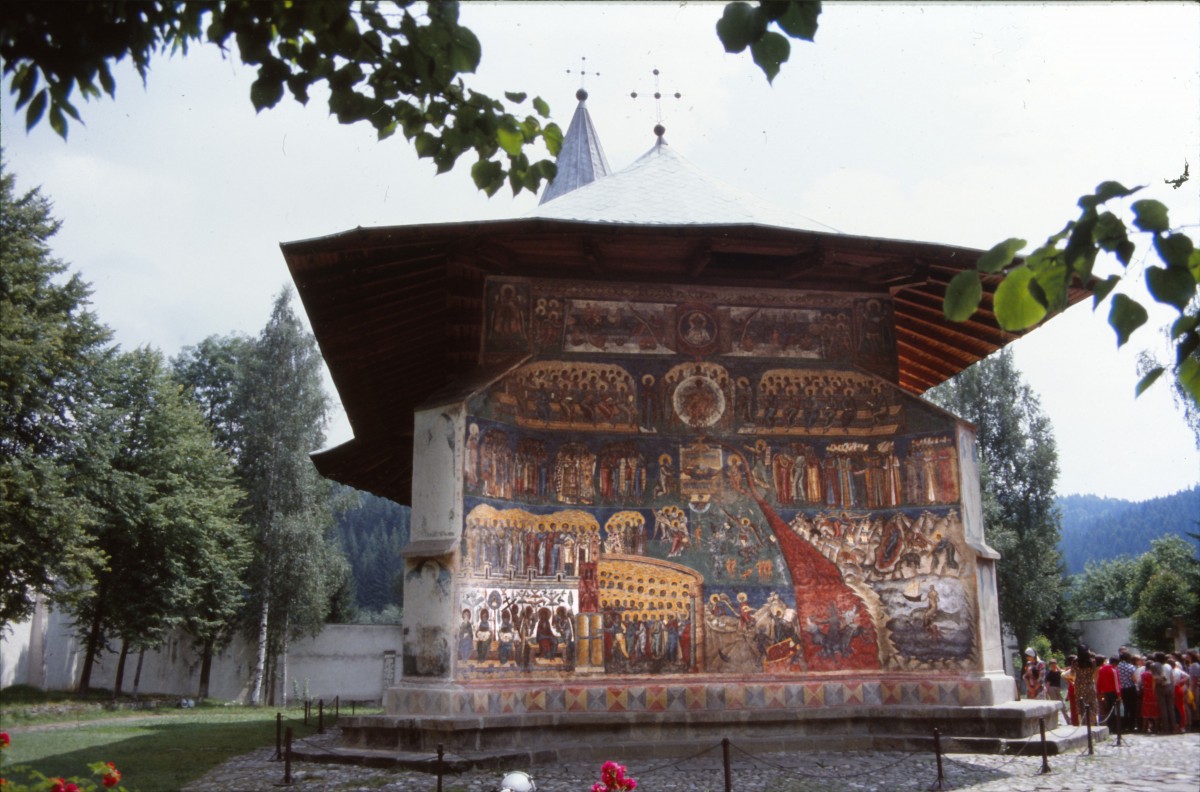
(1058, 741)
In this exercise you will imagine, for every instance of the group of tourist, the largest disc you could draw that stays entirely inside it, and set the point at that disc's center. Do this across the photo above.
(1157, 693)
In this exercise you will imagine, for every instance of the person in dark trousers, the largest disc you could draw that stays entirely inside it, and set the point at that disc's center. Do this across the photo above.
(1164, 688)
(1131, 705)
(1054, 680)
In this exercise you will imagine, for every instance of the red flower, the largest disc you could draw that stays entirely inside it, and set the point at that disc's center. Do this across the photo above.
(63, 785)
(4, 740)
(613, 779)
(112, 776)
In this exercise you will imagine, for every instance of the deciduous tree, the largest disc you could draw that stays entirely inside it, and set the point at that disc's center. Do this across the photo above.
(1165, 586)
(1018, 470)
(165, 511)
(296, 568)
(1104, 590)
(209, 372)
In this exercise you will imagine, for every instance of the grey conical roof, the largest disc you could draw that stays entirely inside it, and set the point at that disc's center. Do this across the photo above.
(664, 188)
(581, 160)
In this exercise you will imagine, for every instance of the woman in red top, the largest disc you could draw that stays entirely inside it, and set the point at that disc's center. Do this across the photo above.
(1150, 713)
(1108, 689)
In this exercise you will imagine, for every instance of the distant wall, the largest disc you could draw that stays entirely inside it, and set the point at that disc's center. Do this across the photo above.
(354, 661)
(1105, 636)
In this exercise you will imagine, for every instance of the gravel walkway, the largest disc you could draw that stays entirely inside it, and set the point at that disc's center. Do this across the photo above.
(1154, 764)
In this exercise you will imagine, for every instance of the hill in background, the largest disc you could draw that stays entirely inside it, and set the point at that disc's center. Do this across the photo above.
(1097, 529)
(372, 532)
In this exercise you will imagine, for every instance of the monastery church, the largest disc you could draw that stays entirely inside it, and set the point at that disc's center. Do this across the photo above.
(670, 473)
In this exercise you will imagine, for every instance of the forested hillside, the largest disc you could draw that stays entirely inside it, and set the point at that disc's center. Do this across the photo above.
(1096, 528)
(372, 534)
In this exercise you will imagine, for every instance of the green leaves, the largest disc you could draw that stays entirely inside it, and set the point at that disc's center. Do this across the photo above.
(1125, 316)
(1016, 306)
(800, 20)
(36, 108)
(743, 25)
(1149, 379)
(1105, 192)
(1188, 376)
(1109, 234)
(267, 90)
(399, 71)
(1039, 286)
(488, 176)
(770, 52)
(1175, 249)
(1173, 286)
(1150, 215)
(999, 256)
(740, 26)
(962, 296)
(1102, 288)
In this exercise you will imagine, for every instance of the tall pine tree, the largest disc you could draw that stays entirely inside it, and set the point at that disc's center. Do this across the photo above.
(1018, 471)
(50, 344)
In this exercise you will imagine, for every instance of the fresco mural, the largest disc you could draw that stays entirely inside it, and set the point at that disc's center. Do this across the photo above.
(673, 484)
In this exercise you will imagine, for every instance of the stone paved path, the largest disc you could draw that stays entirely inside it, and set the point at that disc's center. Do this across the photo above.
(1154, 764)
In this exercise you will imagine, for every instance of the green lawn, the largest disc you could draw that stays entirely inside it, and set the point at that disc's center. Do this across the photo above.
(160, 750)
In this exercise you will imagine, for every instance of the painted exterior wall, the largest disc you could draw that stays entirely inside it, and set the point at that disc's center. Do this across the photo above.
(681, 480)
(356, 662)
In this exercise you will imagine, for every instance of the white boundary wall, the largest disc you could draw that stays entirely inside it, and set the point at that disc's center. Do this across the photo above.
(353, 661)
(1104, 636)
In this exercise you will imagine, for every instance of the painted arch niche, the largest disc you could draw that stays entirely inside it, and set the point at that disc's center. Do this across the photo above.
(793, 519)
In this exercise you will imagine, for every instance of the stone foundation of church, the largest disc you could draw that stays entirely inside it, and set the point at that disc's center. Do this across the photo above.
(655, 696)
(630, 717)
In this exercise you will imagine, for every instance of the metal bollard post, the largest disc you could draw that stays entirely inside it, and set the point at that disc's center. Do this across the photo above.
(1045, 757)
(441, 768)
(937, 749)
(321, 716)
(287, 759)
(306, 708)
(1087, 716)
(728, 769)
(278, 737)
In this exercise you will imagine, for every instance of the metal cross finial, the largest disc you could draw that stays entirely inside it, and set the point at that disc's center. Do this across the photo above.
(659, 129)
(581, 94)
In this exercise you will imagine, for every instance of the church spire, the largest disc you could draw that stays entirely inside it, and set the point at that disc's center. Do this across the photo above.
(581, 160)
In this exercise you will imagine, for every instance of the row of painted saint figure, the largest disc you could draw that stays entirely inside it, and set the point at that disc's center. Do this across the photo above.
(523, 636)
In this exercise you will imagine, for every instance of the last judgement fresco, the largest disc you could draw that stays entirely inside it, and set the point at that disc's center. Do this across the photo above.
(701, 486)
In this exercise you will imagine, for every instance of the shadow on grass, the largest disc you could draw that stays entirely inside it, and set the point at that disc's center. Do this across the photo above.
(153, 756)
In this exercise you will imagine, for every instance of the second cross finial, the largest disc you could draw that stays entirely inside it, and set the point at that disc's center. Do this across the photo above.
(659, 129)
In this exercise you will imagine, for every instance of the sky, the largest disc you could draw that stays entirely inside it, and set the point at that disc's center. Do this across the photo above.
(959, 124)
